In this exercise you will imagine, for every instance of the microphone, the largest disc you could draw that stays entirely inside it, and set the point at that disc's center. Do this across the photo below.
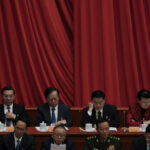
(124, 121)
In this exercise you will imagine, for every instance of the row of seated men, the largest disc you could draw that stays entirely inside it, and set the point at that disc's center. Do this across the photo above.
(102, 140)
(57, 113)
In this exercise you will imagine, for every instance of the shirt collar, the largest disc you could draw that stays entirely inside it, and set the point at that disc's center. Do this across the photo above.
(54, 107)
(17, 138)
(5, 106)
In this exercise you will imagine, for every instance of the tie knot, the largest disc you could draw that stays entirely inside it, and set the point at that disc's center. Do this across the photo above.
(18, 141)
(53, 108)
(8, 107)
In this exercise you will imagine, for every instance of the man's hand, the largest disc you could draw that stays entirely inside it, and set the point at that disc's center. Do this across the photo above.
(10, 115)
(90, 107)
(60, 122)
(146, 122)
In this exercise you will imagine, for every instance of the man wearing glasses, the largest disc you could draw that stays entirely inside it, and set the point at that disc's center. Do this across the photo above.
(9, 111)
(57, 140)
(18, 140)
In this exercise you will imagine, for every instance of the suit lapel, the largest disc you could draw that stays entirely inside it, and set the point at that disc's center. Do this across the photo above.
(104, 112)
(14, 109)
(11, 141)
(2, 113)
(143, 143)
(23, 142)
(60, 112)
(94, 114)
(47, 115)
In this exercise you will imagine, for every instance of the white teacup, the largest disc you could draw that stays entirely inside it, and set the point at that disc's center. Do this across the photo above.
(2, 126)
(143, 127)
(88, 127)
(42, 126)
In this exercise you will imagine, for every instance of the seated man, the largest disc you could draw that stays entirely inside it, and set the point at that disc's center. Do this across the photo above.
(53, 112)
(103, 140)
(142, 142)
(140, 112)
(98, 109)
(18, 139)
(58, 139)
(9, 111)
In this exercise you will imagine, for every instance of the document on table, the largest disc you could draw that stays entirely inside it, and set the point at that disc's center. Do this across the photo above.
(58, 147)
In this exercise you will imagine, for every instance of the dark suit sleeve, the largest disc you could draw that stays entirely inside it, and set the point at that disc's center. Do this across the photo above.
(71, 146)
(114, 119)
(68, 117)
(45, 145)
(86, 118)
(2, 115)
(139, 143)
(21, 113)
(134, 145)
(2, 144)
(30, 144)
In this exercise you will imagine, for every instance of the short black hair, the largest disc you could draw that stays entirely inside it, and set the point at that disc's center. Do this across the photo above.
(98, 94)
(50, 90)
(143, 94)
(16, 120)
(148, 129)
(59, 126)
(101, 120)
(7, 88)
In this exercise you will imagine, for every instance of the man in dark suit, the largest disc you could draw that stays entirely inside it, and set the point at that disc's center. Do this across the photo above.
(142, 142)
(9, 111)
(58, 139)
(53, 112)
(18, 140)
(98, 109)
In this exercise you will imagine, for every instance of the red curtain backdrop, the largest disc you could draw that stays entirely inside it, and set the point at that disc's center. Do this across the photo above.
(77, 46)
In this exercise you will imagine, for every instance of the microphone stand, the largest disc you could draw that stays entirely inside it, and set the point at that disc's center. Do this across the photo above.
(124, 121)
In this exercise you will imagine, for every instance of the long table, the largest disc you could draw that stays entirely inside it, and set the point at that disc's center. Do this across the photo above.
(79, 137)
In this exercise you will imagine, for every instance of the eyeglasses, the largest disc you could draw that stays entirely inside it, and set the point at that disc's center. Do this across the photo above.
(60, 135)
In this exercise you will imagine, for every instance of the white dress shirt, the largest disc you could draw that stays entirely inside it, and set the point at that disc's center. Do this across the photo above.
(16, 139)
(10, 110)
(90, 113)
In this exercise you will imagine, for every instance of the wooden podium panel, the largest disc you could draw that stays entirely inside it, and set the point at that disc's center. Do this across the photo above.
(76, 114)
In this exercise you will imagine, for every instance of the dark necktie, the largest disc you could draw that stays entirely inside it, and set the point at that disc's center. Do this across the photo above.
(99, 115)
(8, 121)
(53, 116)
(18, 145)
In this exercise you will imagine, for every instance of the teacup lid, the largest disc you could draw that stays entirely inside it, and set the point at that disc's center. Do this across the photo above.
(43, 123)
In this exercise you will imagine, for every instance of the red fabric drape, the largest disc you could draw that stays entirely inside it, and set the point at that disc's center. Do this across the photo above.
(77, 46)
(36, 49)
(112, 49)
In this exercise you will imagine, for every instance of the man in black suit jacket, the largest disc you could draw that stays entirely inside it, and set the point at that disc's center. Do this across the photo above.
(18, 139)
(58, 138)
(98, 109)
(142, 142)
(53, 112)
(10, 111)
